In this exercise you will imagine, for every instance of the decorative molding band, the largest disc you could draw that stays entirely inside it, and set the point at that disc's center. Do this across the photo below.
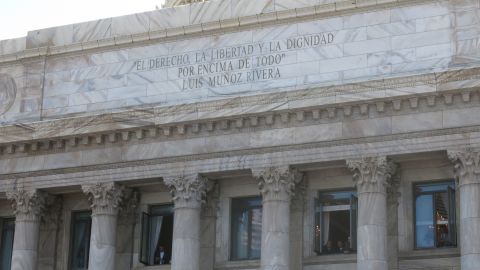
(322, 10)
(415, 142)
(150, 123)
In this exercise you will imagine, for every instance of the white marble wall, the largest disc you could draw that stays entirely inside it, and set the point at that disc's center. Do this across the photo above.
(375, 44)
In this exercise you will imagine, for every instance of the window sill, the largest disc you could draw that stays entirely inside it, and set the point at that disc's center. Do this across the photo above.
(245, 264)
(331, 259)
(153, 267)
(429, 253)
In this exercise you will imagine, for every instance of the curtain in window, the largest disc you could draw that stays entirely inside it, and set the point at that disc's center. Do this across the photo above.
(156, 227)
(79, 246)
(326, 228)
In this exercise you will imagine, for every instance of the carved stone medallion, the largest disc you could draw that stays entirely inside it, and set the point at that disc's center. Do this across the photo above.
(8, 91)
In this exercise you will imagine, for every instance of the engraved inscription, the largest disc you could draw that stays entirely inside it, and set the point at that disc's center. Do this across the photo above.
(8, 92)
(233, 65)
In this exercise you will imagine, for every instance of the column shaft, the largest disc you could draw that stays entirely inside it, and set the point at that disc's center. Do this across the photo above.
(275, 235)
(186, 238)
(371, 178)
(25, 245)
(467, 170)
(372, 231)
(105, 199)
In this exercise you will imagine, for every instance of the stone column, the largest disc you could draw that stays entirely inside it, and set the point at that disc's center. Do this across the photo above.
(28, 207)
(127, 218)
(371, 176)
(188, 193)
(276, 185)
(104, 199)
(467, 171)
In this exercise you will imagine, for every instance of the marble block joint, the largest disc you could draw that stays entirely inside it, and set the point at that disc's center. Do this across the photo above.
(467, 171)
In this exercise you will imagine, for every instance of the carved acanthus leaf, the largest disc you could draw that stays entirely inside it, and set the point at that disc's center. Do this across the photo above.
(466, 164)
(105, 198)
(27, 204)
(191, 188)
(277, 181)
(372, 174)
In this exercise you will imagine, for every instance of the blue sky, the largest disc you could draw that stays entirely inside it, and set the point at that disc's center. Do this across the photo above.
(17, 17)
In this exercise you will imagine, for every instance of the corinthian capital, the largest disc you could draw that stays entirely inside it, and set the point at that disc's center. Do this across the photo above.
(277, 182)
(466, 165)
(105, 198)
(28, 205)
(187, 189)
(372, 174)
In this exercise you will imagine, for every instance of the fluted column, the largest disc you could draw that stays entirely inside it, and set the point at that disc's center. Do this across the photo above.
(188, 193)
(371, 177)
(28, 207)
(105, 199)
(276, 185)
(467, 170)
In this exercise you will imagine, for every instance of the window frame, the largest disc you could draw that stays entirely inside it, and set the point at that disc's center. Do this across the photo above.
(142, 226)
(71, 238)
(249, 257)
(414, 207)
(318, 203)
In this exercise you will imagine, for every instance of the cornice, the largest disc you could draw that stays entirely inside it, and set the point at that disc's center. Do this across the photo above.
(281, 16)
(204, 119)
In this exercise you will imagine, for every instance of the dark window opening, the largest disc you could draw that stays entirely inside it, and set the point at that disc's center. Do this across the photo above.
(336, 222)
(157, 235)
(6, 244)
(80, 240)
(246, 222)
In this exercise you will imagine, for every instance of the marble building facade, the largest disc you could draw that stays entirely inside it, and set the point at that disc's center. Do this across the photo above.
(245, 134)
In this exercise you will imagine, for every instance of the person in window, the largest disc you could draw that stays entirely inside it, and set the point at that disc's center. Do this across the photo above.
(161, 256)
(340, 247)
(329, 248)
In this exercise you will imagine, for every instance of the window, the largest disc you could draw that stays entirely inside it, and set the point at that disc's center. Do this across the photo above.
(157, 235)
(435, 215)
(6, 245)
(80, 240)
(336, 222)
(246, 228)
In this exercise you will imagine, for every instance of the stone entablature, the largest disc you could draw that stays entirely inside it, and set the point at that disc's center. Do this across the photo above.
(197, 119)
